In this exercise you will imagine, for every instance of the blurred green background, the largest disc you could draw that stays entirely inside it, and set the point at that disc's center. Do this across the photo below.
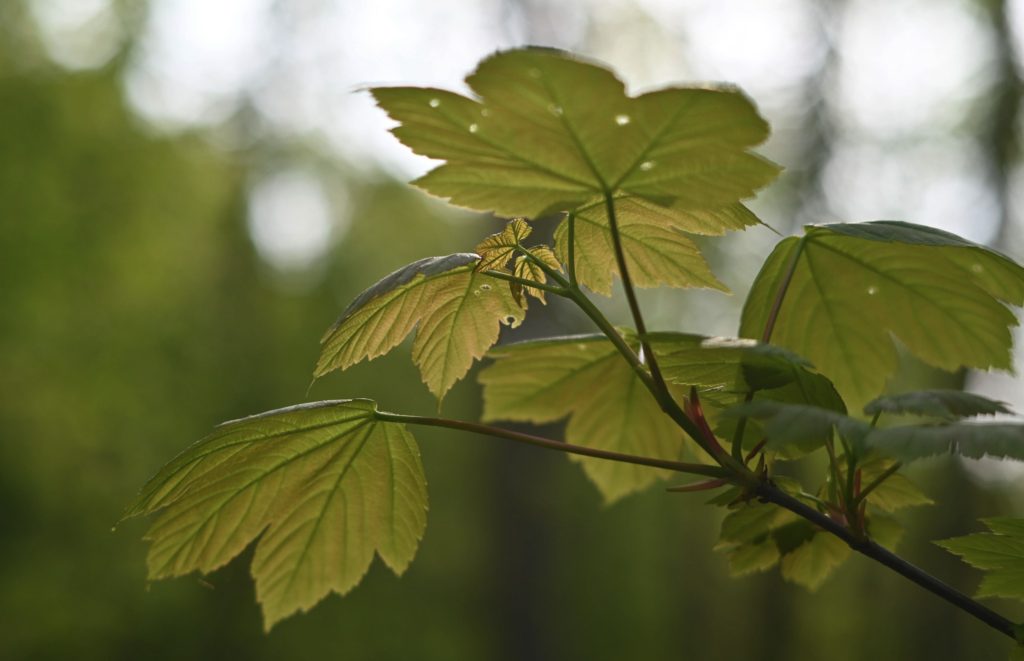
(190, 192)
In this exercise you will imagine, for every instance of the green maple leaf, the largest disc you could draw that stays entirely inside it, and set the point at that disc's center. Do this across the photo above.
(814, 560)
(896, 492)
(657, 254)
(550, 132)
(584, 377)
(731, 369)
(855, 286)
(457, 313)
(974, 440)
(999, 552)
(798, 423)
(323, 487)
(945, 404)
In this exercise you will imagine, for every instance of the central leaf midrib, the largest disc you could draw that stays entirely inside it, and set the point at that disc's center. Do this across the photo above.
(330, 495)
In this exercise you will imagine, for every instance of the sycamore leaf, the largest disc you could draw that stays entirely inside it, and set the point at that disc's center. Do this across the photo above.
(529, 271)
(946, 404)
(657, 253)
(801, 424)
(999, 552)
(973, 440)
(457, 313)
(496, 250)
(550, 132)
(323, 486)
(855, 286)
(584, 377)
(737, 365)
(810, 563)
(896, 492)
(729, 368)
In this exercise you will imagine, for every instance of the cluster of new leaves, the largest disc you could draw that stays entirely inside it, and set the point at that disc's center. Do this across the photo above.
(630, 181)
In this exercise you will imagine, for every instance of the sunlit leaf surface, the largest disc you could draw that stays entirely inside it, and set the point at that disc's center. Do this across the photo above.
(457, 313)
(322, 486)
(856, 286)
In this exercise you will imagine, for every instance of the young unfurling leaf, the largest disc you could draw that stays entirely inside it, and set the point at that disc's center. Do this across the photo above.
(498, 249)
(528, 270)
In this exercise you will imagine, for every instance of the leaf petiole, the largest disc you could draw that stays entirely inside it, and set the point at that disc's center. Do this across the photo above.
(549, 444)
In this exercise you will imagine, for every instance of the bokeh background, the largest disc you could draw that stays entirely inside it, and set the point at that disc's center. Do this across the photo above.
(191, 190)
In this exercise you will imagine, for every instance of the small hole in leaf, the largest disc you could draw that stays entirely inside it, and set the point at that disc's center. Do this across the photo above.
(555, 110)
(485, 112)
(872, 290)
(473, 128)
(476, 292)
(510, 319)
(435, 103)
(977, 268)
(622, 120)
(485, 287)
(646, 166)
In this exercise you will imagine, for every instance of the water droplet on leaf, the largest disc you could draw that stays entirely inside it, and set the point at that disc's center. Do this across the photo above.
(646, 166)
(622, 120)
(872, 290)
(435, 103)
(473, 128)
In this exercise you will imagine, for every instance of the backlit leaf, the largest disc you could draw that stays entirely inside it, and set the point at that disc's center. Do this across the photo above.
(999, 552)
(322, 486)
(855, 286)
(896, 492)
(584, 377)
(974, 440)
(456, 311)
(656, 252)
(729, 368)
(755, 536)
(947, 404)
(800, 424)
(550, 132)
(812, 562)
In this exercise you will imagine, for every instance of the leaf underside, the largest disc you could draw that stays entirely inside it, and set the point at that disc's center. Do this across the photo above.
(584, 378)
(944, 404)
(457, 313)
(854, 286)
(795, 423)
(549, 132)
(322, 486)
(1000, 553)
